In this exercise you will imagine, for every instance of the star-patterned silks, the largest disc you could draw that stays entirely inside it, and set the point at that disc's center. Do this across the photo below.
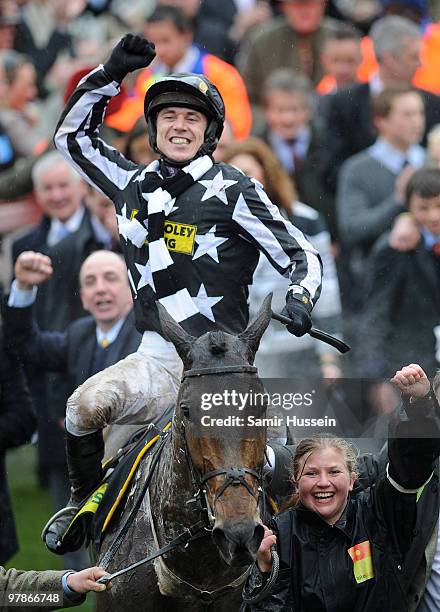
(131, 229)
(205, 303)
(132, 284)
(216, 188)
(169, 205)
(208, 244)
(146, 275)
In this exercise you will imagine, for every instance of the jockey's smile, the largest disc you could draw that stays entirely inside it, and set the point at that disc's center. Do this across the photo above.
(180, 132)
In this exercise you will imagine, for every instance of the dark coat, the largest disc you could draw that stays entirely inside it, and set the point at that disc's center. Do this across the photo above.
(350, 129)
(402, 310)
(58, 301)
(211, 25)
(317, 575)
(70, 351)
(308, 179)
(22, 581)
(17, 424)
(58, 304)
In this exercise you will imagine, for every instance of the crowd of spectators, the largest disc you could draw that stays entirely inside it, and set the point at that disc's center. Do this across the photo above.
(333, 105)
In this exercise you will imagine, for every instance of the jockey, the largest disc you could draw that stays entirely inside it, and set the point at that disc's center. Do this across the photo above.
(191, 231)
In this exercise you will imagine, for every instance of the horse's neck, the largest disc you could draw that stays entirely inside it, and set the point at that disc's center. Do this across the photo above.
(172, 487)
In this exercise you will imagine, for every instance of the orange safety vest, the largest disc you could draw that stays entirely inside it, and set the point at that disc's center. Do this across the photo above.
(224, 76)
(427, 76)
(326, 85)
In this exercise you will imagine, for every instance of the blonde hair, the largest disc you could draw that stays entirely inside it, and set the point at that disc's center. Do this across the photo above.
(305, 448)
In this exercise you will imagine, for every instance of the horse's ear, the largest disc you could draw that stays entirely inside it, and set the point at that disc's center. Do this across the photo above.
(176, 334)
(252, 334)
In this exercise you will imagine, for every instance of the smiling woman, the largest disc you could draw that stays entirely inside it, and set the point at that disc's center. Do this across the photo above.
(324, 474)
(344, 551)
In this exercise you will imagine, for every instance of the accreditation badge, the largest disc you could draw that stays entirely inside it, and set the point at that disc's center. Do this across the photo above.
(362, 561)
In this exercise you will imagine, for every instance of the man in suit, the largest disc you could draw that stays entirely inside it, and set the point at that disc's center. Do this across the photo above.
(67, 233)
(294, 136)
(293, 40)
(349, 125)
(86, 346)
(371, 189)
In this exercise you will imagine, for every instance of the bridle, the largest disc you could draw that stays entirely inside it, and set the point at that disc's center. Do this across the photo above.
(234, 476)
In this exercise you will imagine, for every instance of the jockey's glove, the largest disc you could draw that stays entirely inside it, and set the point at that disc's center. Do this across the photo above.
(131, 53)
(298, 308)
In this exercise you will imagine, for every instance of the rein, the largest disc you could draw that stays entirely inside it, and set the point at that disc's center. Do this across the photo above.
(234, 476)
(219, 370)
(113, 548)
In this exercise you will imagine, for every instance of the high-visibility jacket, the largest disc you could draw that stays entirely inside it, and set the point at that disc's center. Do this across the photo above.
(326, 85)
(427, 76)
(226, 78)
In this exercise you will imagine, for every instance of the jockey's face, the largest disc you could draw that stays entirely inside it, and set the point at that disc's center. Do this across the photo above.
(180, 132)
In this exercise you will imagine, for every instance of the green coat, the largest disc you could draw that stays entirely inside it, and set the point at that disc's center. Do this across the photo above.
(13, 582)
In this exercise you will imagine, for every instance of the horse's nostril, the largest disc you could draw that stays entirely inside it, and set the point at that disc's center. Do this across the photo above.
(219, 537)
(246, 536)
(238, 543)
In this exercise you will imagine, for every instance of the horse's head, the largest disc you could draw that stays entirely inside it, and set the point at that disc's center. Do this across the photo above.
(220, 409)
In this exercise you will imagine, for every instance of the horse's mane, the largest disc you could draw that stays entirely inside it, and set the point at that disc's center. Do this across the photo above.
(217, 342)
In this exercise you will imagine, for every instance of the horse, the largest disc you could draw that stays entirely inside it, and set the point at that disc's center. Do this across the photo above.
(207, 482)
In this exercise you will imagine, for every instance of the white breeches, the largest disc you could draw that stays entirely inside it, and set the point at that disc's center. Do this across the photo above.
(133, 392)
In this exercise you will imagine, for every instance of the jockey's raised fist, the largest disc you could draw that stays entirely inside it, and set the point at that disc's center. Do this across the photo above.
(131, 53)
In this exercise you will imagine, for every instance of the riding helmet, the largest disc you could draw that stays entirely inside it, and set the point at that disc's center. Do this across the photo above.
(190, 91)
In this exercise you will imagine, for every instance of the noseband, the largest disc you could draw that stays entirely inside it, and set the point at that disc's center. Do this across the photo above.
(234, 476)
(219, 370)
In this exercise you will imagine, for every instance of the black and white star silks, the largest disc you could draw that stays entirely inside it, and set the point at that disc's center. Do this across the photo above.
(169, 286)
(191, 242)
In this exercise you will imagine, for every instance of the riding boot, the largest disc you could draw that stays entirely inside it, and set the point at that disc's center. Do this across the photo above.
(84, 456)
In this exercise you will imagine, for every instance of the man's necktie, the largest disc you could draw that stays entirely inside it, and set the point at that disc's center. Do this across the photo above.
(62, 232)
(99, 357)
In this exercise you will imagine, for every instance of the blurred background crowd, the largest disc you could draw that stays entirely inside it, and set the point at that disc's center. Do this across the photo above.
(334, 106)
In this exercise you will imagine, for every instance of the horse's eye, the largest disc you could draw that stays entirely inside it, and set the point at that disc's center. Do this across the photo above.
(184, 409)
